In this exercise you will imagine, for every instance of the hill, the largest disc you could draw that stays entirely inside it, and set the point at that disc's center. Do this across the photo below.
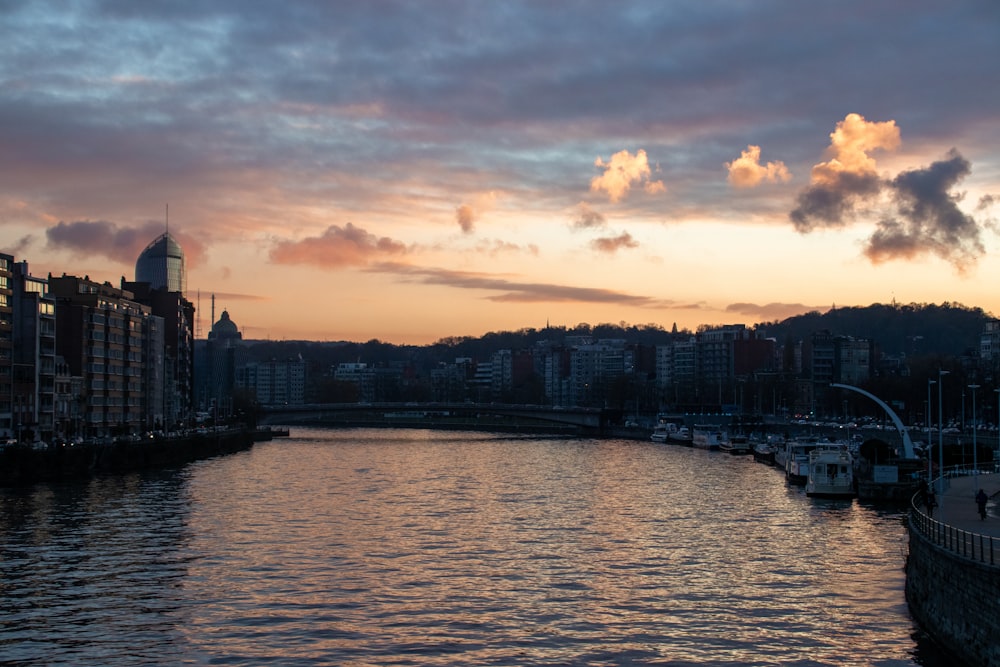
(913, 330)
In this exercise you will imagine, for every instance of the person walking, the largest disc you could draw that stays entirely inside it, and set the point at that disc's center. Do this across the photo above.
(981, 499)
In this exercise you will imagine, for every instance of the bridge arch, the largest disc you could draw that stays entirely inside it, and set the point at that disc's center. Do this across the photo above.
(908, 452)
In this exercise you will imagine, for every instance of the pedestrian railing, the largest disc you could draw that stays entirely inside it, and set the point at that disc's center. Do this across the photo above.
(964, 543)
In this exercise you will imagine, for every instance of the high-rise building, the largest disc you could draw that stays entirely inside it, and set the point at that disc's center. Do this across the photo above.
(34, 356)
(160, 280)
(7, 409)
(101, 334)
(161, 265)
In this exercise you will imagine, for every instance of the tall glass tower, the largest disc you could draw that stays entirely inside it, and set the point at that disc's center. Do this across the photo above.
(161, 265)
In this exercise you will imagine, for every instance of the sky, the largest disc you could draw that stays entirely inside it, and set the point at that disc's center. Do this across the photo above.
(410, 171)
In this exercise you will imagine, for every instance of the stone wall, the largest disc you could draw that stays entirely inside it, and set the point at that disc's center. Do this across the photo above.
(954, 599)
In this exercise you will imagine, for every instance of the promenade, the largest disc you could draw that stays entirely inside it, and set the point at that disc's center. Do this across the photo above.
(957, 505)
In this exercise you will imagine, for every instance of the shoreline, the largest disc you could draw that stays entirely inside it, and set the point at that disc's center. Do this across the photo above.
(23, 465)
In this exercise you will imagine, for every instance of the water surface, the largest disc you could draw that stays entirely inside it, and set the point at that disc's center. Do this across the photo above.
(405, 547)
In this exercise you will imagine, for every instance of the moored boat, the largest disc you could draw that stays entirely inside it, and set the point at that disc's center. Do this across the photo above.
(796, 457)
(737, 445)
(682, 436)
(763, 452)
(662, 431)
(831, 472)
(708, 437)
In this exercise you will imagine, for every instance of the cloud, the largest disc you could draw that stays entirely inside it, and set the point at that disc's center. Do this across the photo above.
(929, 220)
(621, 172)
(235, 296)
(917, 212)
(769, 312)
(516, 292)
(120, 244)
(587, 218)
(613, 244)
(467, 214)
(20, 246)
(497, 246)
(747, 172)
(337, 247)
(849, 179)
(654, 187)
(465, 217)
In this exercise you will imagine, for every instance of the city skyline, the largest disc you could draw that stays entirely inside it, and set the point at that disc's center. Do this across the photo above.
(408, 172)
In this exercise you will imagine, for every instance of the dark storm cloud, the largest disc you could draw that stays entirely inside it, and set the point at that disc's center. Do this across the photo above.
(928, 218)
(834, 203)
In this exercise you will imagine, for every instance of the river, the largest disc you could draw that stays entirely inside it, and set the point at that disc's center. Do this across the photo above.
(410, 547)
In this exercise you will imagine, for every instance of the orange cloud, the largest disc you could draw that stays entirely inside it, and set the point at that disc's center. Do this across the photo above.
(621, 172)
(466, 215)
(336, 248)
(746, 171)
(850, 144)
(849, 179)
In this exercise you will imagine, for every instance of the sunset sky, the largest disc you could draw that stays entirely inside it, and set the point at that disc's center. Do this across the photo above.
(409, 171)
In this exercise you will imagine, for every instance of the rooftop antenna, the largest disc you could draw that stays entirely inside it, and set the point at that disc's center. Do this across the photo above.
(167, 220)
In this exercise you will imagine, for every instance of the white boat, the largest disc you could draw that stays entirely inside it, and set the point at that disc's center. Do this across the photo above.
(831, 472)
(662, 431)
(797, 460)
(708, 437)
(682, 436)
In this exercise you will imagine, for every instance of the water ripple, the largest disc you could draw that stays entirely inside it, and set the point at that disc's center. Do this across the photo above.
(381, 547)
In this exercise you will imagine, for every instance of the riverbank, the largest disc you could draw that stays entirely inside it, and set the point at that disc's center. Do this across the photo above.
(21, 465)
(953, 570)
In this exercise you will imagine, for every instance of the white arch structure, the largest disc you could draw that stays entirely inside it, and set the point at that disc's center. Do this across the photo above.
(904, 434)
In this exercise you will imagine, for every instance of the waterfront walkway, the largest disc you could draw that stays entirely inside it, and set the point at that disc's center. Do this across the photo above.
(957, 505)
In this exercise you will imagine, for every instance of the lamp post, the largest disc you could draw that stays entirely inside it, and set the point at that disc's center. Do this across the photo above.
(941, 374)
(975, 461)
(930, 459)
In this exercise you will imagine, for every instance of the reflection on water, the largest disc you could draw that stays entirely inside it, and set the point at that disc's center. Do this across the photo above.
(419, 547)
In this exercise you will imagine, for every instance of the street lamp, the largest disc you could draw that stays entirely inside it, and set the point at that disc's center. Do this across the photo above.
(975, 466)
(941, 374)
(930, 459)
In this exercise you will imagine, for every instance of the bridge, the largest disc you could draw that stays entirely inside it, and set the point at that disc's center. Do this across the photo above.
(441, 415)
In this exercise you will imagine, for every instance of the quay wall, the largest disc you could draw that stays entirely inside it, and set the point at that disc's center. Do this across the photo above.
(25, 465)
(954, 599)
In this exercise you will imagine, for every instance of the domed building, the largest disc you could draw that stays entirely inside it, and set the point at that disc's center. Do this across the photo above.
(161, 265)
(216, 361)
(225, 329)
